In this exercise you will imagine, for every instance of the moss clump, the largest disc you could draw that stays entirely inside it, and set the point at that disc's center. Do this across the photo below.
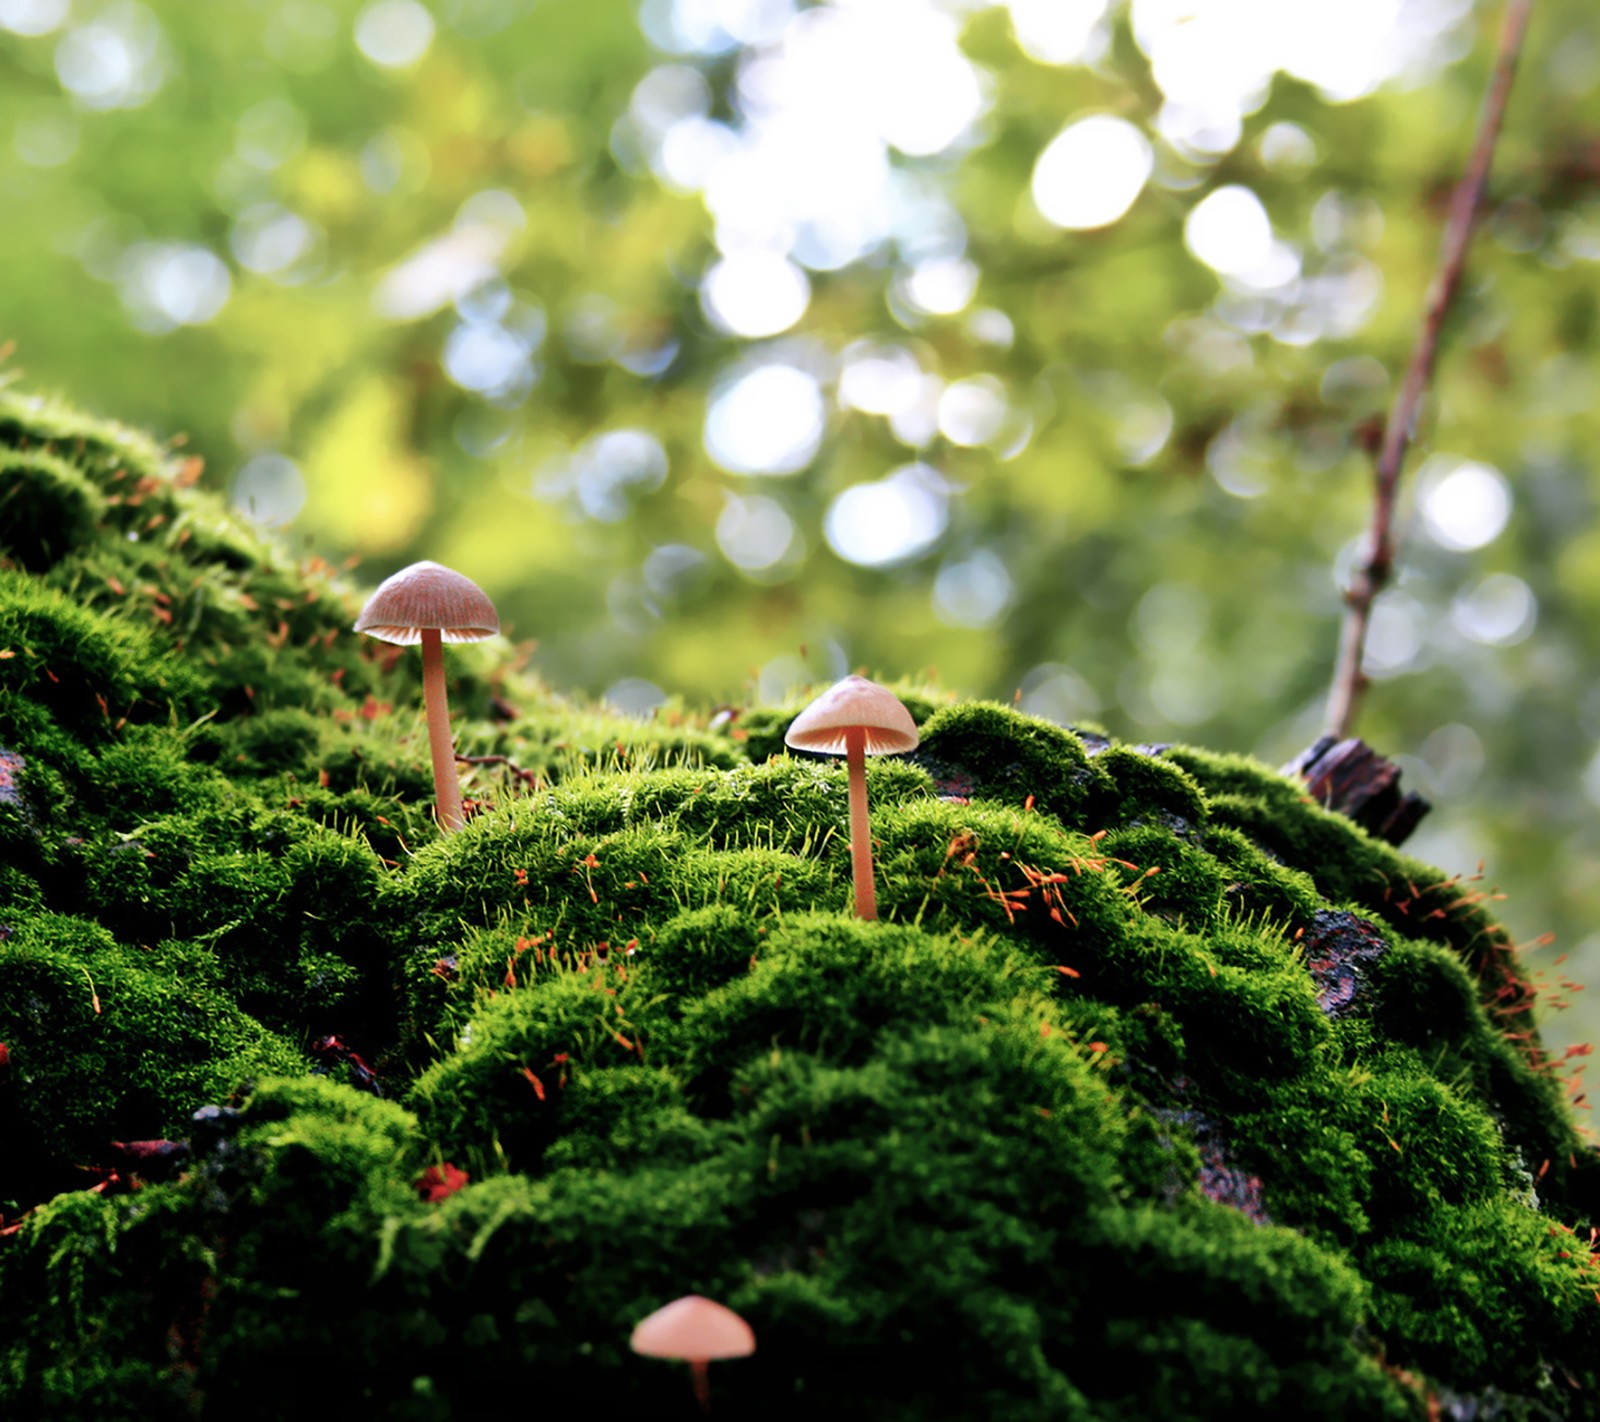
(48, 507)
(1014, 758)
(108, 1043)
(1157, 1092)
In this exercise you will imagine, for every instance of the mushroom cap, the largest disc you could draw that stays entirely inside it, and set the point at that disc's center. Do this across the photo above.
(693, 1328)
(855, 701)
(428, 596)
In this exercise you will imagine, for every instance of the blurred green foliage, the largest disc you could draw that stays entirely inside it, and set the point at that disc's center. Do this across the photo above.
(237, 225)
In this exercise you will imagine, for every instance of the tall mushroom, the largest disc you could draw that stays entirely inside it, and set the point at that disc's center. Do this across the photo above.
(858, 718)
(431, 604)
(698, 1331)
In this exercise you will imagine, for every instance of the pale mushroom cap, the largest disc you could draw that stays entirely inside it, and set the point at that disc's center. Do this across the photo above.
(695, 1329)
(428, 595)
(855, 701)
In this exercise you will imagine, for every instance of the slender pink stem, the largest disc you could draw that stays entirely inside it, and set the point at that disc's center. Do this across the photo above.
(700, 1371)
(855, 750)
(1372, 575)
(441, 745)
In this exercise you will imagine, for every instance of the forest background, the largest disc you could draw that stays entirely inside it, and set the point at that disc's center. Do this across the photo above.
(736, 344)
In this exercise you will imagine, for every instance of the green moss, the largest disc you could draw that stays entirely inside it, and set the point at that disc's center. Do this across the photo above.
(1345, 863)
(287, 739)
(1256, 886)
(47, 508)
(1150, 790)
(61, 1270)
(148, 773)
(498, 1095)
(1014, 758)
(1156, 1091)
(88, 672)
(623, 1115)
(101, 447)
(1510, 1303)
(107, 1042)
(285, 906)
(1324, 1131)
(699, 950)
(831, 986)
(1182, 884)
(1265, 1323)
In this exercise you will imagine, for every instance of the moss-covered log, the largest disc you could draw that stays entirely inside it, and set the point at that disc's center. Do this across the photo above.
(1158, 1091)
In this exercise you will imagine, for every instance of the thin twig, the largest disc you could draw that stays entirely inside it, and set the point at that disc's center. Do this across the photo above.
(528, 777)
(1372, 574)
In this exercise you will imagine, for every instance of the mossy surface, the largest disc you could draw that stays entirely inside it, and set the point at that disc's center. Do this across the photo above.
(1157, 1091)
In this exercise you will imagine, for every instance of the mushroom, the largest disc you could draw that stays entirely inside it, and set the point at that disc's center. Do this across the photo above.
(431, 604)
(697, 1330)
(859, 718)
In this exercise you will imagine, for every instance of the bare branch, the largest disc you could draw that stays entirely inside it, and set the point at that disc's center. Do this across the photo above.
(1372, 575)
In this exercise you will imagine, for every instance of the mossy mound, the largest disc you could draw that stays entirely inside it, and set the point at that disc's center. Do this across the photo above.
(1157, 1092)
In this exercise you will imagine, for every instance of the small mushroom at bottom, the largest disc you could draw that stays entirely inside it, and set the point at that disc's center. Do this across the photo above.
(698, 1331)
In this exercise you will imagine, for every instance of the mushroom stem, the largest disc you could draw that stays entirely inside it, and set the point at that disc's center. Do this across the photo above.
(855, 750)
(446, 787)
(700, 1372)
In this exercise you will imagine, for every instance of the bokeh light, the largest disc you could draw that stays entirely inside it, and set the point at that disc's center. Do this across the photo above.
(271, 240)
(1056, 692)
(1465, 504)
(394, 34)
(768, 420)
(755, 293)
(973, 411)
(880, 380)
(33, 17)
(972, 591)
(1499, 611)
(1230, 232)
(118, 60)
(1059, 31)
(1092, 172)
(889, 520)
(757, 535)
(168, 284)
(1397, 639)
(269, 490)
